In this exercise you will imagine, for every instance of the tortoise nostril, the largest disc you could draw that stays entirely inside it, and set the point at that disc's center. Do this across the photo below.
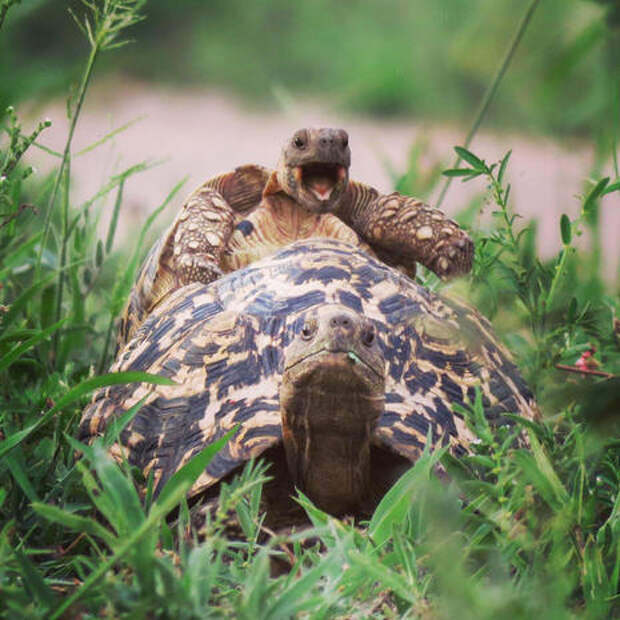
(340, 321)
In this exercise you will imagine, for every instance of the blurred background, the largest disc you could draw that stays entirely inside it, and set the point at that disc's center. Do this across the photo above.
(211, 85)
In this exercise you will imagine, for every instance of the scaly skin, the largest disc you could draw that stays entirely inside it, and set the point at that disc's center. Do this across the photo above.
(247, 214)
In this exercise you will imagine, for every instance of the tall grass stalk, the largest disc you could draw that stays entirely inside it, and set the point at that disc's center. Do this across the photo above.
(102, 27)
(490, 93)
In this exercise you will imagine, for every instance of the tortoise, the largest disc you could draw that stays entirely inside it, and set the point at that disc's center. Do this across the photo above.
(244, 215)
(336, 368)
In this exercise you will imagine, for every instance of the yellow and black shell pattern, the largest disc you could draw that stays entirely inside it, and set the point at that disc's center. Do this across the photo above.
(223, 346)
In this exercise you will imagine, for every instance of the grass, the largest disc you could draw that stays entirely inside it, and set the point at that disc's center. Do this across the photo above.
(515, 533)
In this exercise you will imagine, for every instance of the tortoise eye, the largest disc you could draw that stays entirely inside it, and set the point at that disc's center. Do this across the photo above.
(298, 141)
(368, 336)
(307, 331)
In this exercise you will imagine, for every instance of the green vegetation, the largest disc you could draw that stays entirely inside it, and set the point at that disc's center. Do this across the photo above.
(516, 532)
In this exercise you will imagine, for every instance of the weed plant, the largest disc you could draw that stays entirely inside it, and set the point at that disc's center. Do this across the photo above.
(515, 533)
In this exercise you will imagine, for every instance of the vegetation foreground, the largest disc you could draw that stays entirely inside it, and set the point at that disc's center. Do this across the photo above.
(515, 532)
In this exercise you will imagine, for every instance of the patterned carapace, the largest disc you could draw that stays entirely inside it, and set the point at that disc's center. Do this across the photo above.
(225, 345)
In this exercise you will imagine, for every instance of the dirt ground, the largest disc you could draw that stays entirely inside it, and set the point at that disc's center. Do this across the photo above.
(202, 133)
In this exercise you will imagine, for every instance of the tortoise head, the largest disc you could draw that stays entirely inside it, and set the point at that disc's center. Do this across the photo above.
(314, 168)
(331, 397)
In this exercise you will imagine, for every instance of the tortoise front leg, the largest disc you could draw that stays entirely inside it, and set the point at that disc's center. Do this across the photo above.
(409, 230)
(199, 237)
(189, 251)
(203, 228)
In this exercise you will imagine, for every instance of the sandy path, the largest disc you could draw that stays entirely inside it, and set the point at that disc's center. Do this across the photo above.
(203, 133)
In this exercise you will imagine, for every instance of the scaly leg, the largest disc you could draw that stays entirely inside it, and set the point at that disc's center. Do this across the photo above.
(408, 230)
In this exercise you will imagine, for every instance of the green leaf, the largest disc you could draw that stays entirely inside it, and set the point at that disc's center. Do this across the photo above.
(461, 172)
(76, 393)
(116, 426)
(546, 468)
(595, 193)
(572, 311)
(15, 309)
(394, 507)
(171, 495)
(502, 167)
(316, 515)
(74, 522)
(128, 514)
(377, 571)
(33, 581)
(21, 477)
(19, 256)
(565, 228)
(18, 350)
(114, 220)
(99, 254)
(470, 158)
(182, 480)
(614, 187)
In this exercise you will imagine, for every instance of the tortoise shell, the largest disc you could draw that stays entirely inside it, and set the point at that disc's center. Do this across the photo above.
(224, 344)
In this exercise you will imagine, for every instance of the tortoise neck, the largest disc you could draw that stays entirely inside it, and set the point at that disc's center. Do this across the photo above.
(291, 219)
(327, 431)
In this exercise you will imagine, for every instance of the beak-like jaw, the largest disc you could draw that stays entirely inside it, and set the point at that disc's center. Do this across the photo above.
(321, 181)
(318, 186)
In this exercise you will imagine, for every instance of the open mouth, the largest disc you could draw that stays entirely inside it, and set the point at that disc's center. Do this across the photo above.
(320, 179)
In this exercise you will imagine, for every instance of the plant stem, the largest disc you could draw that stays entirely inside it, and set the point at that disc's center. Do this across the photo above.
(556, 276)
(488, 97)
(67, 150)
(63, 250)
(106, 344)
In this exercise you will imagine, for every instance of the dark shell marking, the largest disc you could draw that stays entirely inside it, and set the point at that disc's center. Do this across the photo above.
(223, 345)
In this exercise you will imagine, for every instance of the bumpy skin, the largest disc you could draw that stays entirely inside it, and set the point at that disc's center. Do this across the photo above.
(224, 345)
(247, 214)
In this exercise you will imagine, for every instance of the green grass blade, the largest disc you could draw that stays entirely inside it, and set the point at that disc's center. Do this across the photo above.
(15, 309)
(34, 582)
(181, 481)
(176, 488)
(76, 393)
(75, 522)
(128, 514)
(116, 426)
(114, 219)
(21, 477)
(18, 350)
(394, 507)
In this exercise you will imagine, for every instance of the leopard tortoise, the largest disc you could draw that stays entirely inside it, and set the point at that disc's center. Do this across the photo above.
(334, 366)
(244, 215)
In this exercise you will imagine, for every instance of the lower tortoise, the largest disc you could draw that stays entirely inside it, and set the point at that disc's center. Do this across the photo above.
(336, 367)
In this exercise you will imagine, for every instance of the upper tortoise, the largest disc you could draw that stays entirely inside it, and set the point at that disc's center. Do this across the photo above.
(244, 215)
(335, 366)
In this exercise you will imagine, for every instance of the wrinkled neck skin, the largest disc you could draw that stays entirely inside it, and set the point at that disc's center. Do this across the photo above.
(327, 428)
(290, 219)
